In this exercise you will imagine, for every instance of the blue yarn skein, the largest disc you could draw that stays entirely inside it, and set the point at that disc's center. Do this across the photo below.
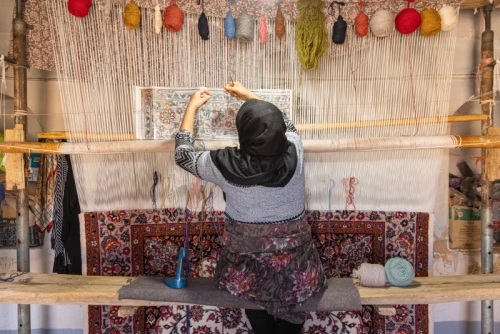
(229, 26)
(399, 272)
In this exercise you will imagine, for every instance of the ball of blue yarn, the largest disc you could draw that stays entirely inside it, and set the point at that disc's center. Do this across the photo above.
(399, 272)
(229, 26)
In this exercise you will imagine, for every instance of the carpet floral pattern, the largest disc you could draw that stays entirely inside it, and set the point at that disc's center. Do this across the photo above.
(132, 243)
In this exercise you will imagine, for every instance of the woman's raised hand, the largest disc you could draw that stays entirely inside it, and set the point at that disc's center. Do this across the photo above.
(239, 91)
(199, 98)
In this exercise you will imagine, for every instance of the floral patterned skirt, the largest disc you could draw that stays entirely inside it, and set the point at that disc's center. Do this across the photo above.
(274, 265)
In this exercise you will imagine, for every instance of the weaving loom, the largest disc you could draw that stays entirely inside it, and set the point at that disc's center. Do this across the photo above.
(394, 89)
(400, 77)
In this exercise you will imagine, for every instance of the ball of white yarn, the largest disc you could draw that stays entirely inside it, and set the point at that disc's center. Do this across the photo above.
(370, 275)
(449, 18)
(382, 23)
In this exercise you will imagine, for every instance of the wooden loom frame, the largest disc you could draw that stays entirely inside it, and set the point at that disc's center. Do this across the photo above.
(32, 288)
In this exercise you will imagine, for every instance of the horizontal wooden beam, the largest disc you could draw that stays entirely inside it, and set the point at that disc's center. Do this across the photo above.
(470, 4)
(310, 146)
(390, 122)
(62, 135)
(52, 289)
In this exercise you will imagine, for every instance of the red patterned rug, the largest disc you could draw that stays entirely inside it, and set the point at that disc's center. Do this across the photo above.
(132, 243)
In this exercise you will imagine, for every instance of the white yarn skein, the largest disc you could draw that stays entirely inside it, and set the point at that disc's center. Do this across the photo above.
(370, 275)
(158, 19)
(449, 18)
(383, 23)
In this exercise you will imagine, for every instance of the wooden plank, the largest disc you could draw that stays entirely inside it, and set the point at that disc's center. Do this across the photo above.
(469, 4)
(14, 166)
(493, 158)
(52, 289)
(310, 146)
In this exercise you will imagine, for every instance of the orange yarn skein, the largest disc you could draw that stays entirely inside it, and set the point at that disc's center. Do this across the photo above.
(173, 17)
(361, 22)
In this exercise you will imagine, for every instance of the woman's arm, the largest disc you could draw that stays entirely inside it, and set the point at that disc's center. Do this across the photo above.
(185, 155)
(239, 91)
(198, 99)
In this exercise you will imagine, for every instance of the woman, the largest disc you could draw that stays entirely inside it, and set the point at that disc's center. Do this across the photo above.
(268, 256)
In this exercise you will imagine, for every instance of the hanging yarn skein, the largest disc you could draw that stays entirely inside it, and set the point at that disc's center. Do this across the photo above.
(263, 29)
(382, 23)
(279, 24)
(203, 24)
(408, 20)
(449, 18)
(399, 272)
(79, 8)
(158, 19)
(245, 26)
(431, 22)
(361, 22)
(229, 25)
(132, 15)
(340, 26)
(370, 275)
(173, 17)
(311, 37)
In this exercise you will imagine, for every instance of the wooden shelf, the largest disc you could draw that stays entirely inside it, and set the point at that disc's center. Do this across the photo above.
(53, 289)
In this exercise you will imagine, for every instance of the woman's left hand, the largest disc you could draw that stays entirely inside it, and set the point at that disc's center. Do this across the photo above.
(199, 98)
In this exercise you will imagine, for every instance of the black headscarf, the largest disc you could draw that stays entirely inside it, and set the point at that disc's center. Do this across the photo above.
(265, 156)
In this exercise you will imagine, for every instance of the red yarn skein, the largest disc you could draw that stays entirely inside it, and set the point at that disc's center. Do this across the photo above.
(408, 20)
(79, 8)
(361, 22)
(173, 17)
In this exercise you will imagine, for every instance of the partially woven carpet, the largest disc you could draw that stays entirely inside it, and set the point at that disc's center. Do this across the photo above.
(134, 243)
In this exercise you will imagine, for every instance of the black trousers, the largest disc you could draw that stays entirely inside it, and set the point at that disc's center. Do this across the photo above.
(264, 323)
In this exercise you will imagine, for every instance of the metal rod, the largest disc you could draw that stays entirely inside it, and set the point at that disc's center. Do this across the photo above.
(10, 60)
(22, 204)
(487, 37)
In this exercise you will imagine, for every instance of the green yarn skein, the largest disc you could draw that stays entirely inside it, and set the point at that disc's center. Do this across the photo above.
(311, 37)
(399, 272)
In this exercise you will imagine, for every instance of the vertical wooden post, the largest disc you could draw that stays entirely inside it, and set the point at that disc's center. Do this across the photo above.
(487, 319)
(20, 111)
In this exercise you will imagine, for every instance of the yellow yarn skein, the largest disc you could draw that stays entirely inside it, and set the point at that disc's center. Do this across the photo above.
(431, 22)
(132, 15)
(311, 37)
